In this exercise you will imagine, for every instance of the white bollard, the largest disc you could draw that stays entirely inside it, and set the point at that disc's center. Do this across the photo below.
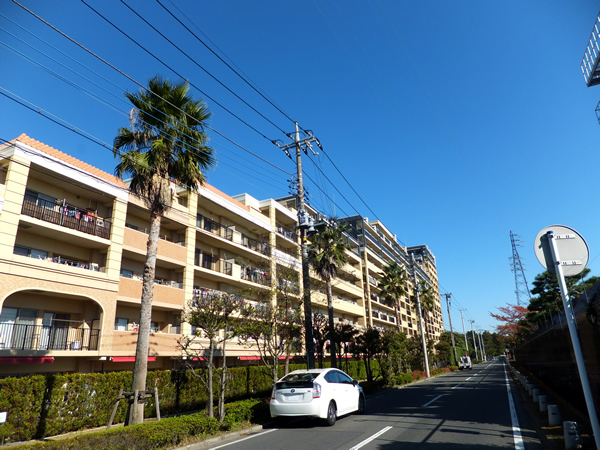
(571, 433)
(543, 400)
(536, 395)
(553, 415)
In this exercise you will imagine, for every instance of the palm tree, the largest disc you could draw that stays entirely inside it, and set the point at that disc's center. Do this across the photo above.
(392, 287)
(427, 301)
(326, 254)
(165, 144)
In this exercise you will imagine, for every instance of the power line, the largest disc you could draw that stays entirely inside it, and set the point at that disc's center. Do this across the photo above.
(198, 65)
(157, 59)
(223, 61)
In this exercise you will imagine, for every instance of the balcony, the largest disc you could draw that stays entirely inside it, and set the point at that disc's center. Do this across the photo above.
(32, 253)
(230, 234)
(288, 234)
(59, 336)
(66, 216)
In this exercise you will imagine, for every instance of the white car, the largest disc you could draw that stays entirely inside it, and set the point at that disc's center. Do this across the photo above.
(322, 393)
(465, 363)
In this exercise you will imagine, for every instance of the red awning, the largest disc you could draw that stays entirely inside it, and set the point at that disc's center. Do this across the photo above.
(249, 358)
(27, 360)
(128, 358)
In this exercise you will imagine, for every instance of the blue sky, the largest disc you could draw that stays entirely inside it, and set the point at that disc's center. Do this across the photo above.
(455, 122)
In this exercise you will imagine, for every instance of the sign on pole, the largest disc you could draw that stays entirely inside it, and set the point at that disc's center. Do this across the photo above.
(561, 250)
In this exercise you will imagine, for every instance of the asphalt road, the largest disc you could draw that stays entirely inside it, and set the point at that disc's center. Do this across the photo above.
(464, 410)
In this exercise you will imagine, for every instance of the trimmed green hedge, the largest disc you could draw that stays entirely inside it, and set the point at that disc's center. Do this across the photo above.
(48, 405)
(169, 432)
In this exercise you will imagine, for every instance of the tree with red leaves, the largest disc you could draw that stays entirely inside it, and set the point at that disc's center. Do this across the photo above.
(514, 324)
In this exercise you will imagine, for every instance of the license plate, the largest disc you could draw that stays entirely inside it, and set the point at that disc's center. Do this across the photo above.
(293, 397)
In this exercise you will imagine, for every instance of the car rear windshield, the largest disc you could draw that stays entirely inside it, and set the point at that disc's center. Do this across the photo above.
(297, 380)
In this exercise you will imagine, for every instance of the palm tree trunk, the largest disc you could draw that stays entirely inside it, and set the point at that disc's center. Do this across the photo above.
(140, 367)
(332, 348)
(398, 318)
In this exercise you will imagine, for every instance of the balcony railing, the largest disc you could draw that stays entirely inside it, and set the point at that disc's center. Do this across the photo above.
(66, 216)
(289, 234)
(18, 336)
(255, 275)
(227, 233)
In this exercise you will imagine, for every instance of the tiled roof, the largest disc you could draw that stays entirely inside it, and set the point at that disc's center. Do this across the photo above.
(100, 173)
(225, 196)
(69, 159)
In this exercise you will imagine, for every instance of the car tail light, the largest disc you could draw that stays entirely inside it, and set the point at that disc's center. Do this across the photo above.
(273, 393)
(316, 391)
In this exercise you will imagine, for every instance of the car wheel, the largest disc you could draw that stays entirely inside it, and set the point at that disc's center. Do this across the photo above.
(361, 405)
(331, 414)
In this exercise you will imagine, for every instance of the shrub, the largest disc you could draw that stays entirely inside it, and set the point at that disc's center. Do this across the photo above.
(404, 378)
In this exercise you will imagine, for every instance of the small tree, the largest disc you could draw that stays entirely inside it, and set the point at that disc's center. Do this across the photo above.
(368, 344)
(268, 329)
(513, 322)
(211, 313)
(344, 334)
(392, 359)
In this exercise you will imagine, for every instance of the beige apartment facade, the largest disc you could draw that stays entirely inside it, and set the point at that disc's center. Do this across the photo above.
(72, 249)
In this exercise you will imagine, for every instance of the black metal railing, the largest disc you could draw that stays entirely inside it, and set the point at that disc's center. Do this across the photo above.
(226, 232)
(289, 234)
(18, 336)
(66, 216)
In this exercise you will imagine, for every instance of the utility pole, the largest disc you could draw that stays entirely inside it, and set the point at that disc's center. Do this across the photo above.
(448, 295)
(482, 344)
(414, 269)
(474, 341)
(464, 332)
(304, 223)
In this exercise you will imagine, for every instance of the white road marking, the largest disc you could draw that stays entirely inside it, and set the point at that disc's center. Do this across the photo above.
(369, 439)
(456, 386)
(431, 401)
(519, 445)
(467, 379)
(245, 439)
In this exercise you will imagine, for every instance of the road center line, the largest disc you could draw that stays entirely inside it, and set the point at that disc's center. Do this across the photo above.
(519, 445)
(431, 401)
(369, 439)
(244, 439)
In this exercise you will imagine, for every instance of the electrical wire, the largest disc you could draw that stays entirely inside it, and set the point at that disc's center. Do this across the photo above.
(259, 92)
(198, 65)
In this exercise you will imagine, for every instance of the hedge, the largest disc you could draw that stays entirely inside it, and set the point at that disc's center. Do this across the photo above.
(48, 405)
(169, 432)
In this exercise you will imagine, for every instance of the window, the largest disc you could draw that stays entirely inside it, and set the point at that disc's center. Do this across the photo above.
(154, 328)
(121, 324)
(126, 273)
(31, 252)
(332, 377)
(129, 225)
(344, 378)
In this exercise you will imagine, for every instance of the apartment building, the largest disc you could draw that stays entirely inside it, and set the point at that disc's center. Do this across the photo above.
(72, 251)
(378, 248)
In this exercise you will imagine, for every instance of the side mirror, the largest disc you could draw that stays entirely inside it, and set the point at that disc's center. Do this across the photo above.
(354, 382)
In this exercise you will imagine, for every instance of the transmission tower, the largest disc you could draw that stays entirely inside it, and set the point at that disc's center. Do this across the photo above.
(516, 266)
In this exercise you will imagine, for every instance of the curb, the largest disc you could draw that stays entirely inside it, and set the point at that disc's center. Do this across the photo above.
(207, 443)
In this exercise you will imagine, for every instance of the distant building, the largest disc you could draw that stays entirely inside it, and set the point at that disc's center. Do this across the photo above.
(72, 250)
